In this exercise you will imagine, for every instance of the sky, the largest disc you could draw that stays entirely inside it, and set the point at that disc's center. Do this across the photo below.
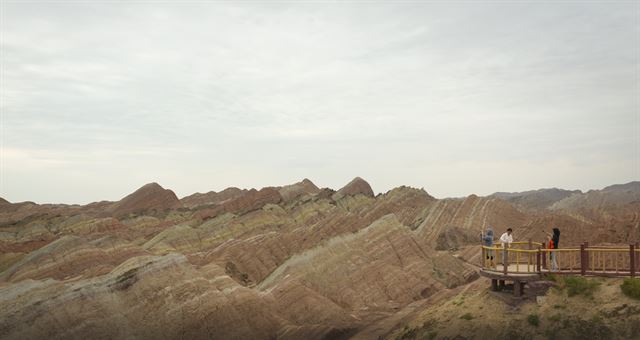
(99, 98)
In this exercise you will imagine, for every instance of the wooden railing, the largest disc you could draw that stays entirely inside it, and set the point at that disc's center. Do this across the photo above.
(531, 257)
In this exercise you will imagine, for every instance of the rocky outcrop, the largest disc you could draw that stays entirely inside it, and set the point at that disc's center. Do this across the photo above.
(212, 197)
(149, 198)
(356, 186)
(470, 215)
(71, 256)
(289, 192)
(381, 262)
(145, 297)
(252, 200)
(454, 238)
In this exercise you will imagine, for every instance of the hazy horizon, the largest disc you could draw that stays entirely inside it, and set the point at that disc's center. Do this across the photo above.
(462, 98)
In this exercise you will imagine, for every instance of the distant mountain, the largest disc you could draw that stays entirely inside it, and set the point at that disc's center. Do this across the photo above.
(536, 199)
(614, 195)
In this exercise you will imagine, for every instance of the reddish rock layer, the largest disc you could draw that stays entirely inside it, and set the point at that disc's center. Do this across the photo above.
(149, 198)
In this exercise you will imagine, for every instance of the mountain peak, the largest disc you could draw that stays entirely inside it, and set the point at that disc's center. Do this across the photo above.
(151, 196)
(297, 189)
(356, 186)
(151, 186)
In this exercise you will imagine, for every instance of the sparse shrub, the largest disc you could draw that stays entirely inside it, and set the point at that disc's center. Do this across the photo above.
(467, 316)
(432, 335)
(631, 288)
(577, 285)
(407, 334)
(533, 319)
(555, 317)
(559, 306)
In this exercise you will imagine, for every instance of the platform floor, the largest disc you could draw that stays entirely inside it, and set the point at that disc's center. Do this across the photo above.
(517, 270)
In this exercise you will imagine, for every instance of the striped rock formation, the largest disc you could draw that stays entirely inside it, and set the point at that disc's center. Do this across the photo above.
(290, 262)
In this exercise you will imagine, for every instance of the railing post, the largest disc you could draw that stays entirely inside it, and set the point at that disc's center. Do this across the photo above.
(637, 255)
(538, 254)
(632, 260)
(586, 255)
(482, 261)
(544, 256)
(583, 261)
(505, 259)
(530, 247)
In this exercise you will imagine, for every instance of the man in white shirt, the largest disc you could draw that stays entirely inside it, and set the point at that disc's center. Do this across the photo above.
(506, 239)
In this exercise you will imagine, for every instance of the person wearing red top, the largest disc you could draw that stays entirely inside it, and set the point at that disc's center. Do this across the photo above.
(551, 245)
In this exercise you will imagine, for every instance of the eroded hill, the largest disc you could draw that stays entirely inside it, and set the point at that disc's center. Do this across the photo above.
(290, 262)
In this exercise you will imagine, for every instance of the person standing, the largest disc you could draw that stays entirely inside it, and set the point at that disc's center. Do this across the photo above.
(552, 254)
(488, 242)
(506, 239)
(553, 244)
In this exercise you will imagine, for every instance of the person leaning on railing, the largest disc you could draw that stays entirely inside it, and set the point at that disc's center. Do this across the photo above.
(488, 242)
(506, 239)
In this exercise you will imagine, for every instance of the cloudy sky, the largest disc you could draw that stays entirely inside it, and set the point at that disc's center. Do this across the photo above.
(467, 97)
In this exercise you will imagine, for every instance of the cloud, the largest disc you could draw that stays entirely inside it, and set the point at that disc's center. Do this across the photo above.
(200, 96)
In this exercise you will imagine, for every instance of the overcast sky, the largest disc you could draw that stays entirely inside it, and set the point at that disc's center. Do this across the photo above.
(469, 97)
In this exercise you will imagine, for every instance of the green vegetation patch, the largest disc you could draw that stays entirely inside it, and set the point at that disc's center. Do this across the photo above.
(458, 302)
(631, 288)
(577, 285)
(467, 316)
(555, 317)
(533, 319)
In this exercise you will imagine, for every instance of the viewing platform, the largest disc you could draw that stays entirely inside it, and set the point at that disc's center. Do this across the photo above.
(524, 262)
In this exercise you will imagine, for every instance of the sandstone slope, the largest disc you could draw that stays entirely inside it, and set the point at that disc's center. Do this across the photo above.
(290, 262)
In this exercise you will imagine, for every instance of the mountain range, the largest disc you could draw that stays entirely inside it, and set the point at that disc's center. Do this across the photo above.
(289, 262)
